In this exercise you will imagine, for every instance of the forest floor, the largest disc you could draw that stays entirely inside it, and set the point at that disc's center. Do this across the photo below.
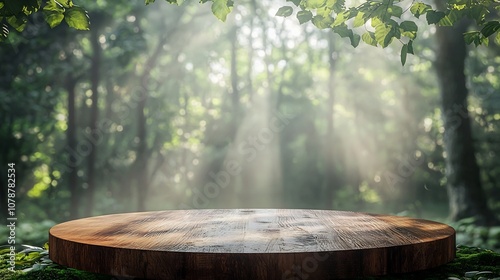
(470, 263)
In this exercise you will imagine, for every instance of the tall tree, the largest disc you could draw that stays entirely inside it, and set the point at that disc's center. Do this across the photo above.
(330, 174)
(143, 151)
(95, 70)
(71, 139)
(466, 195)
(235, 92)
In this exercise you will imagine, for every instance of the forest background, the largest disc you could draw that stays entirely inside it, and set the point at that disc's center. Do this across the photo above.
(163, 107)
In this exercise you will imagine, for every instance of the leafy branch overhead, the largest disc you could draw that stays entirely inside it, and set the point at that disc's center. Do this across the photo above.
(375, 22)
(14, 13)
(381, 22)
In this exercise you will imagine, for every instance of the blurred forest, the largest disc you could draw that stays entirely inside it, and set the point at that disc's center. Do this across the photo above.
(165, 107)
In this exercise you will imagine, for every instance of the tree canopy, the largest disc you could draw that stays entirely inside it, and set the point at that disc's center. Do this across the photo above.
(165, 107)
(375, 22)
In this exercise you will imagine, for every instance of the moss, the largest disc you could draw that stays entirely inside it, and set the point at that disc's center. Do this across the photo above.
(6, 274)
(468, 259)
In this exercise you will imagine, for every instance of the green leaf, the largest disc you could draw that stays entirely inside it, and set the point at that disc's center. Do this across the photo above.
(490, 28)
(344, 32)
(324, 12)
(472, 36)
(304, 16)
(341, 18)
(221, 9)
(452, 17)
(19, 23)
(336, 5)
(53, 6)
(478, 13)
(322, 22)
(369, 38)
(376, 10)
(295, 2)
(409, 29)
(285, 11)
(77, 18)
(395, 11)
(54, 13)
(149, 1)
(66, 3)
(359, 20)
(31, 6)
(434, 17)
(384, 33)
(53, 18)
(355, 38)
(497, 38)
(419, 9)
(483, 41)
(410, 47)
(404, 52)
(314, 4)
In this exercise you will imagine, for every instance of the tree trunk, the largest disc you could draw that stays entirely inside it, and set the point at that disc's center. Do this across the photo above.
(251, 53)
(235, 93)
(143, 152)
(142, 149)
(94, 114)
(330, 176)
(465, 193)
(72, 142)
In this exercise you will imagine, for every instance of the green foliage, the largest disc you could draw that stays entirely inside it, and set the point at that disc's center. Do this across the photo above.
(478, 236)
(285, 11)
(419, 8)
(221, 8)
(16, 14)
(322, 13)
(384, 15)
(304, 16)
(379, 114)
(29, 259)
(31, 232)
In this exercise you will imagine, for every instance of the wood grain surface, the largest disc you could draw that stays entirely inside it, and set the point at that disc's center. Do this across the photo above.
(251, 244)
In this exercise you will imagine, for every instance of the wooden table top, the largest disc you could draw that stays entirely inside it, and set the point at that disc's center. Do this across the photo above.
(251, 244)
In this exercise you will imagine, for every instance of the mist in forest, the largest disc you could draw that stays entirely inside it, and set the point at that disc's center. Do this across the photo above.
(166, 107)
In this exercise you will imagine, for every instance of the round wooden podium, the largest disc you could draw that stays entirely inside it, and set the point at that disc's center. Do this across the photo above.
(236, 244)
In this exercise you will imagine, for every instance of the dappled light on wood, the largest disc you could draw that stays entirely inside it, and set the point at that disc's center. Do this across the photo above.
(251, 244)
